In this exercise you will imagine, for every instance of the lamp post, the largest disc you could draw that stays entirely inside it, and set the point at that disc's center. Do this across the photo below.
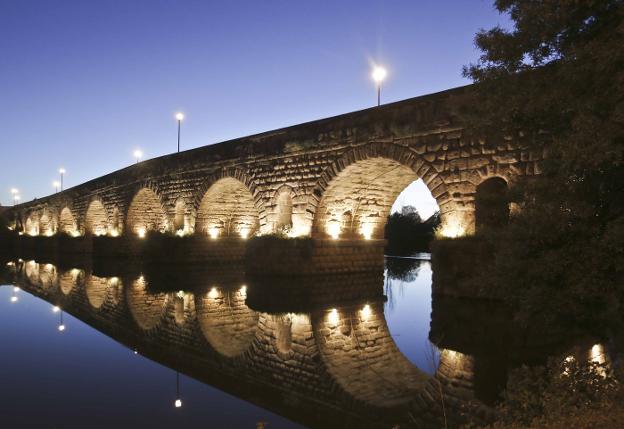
(16, 199)
(379, 74)
(138, 154)
(62, 172)
(15, 195)
(56, 186)
(179, 116)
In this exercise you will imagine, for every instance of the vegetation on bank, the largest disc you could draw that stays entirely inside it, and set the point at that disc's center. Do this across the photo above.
(557, 78)
(408, 233)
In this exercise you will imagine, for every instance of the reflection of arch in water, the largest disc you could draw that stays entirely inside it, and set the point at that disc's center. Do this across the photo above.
(31, 269)
(147, 309)
(359, 352)
(99, 288)
(47, 275)
(226, 321)
(71, 279)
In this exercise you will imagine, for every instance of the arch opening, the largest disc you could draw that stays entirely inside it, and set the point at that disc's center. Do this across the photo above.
(32, 225)
(491, 204)
(227, 209)
(67, 223)
(146, 213)
(358, 200)
(178, 217)
(284, 211)
(96, 220)
(46, 224)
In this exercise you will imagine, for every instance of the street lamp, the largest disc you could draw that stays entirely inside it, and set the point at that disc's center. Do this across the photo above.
(179, 116)
(56, 185)
(62, 172)
(379, 74)
(138, 154)
(15, 195)
(16, 199)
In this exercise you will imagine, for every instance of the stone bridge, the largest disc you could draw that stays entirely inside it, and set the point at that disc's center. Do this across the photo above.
(332, 178)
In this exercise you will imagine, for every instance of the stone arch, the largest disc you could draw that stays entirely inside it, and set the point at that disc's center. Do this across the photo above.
(146, 213)
(32, 224)
(491, 203)
(96, 218)
(228, 208)
(147, 309)
(284, 209)
(226, 321)
(116, 227)
(46, 223)
(355, 194)
(357, 349)
(179, 213)
(67, 222)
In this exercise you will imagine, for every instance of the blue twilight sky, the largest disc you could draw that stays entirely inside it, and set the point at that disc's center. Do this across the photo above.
(84, 83)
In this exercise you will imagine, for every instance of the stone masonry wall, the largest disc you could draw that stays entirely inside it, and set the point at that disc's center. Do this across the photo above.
(423, 137)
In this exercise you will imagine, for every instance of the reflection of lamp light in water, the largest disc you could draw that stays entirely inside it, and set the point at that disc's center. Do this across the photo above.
(178, 401)
(61, 326)
(56, 309)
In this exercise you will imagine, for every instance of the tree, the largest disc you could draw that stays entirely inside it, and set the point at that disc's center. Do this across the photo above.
(558, 76)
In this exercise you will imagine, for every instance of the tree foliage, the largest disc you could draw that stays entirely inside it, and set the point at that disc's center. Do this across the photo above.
(558, 77)
(407, 233)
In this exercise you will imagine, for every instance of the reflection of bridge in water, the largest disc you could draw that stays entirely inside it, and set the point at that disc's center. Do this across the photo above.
(324, 357)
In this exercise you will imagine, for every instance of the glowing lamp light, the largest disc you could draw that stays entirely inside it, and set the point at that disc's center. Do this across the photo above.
(62, 170)
(179, 116)
(14, 191)
(178, 403)
(366, 312)
(243, 290)
(16, 289)
(213, 232)
(367, 231)
(598, 354)
(379, 74)
(138, 154)
(75, 233)
(61, 327)
(56, 309)
(333, 317)
(213, 294)
(141, 232)
(452, 231)
(114, 233)
(333, 229)
(244, 232)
